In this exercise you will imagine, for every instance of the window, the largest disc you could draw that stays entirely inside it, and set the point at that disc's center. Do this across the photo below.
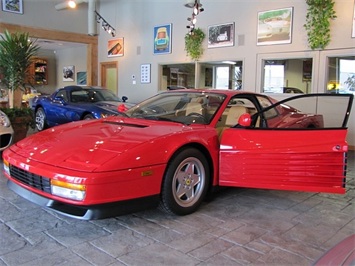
(290, 75)
(217, 75)
(274, 78)
(225, 75)
(341, 75)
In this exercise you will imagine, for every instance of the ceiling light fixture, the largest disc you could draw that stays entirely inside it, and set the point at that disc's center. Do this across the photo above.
(72, 4)
(105, 25)
(196, 9)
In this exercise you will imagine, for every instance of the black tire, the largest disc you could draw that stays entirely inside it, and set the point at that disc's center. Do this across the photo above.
(41, 119)
(185, 182)
(88, 117)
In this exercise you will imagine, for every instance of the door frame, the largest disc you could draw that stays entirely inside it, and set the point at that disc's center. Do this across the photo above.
(103, 67)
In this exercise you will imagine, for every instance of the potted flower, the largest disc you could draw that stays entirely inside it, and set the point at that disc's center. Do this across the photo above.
(16, 53)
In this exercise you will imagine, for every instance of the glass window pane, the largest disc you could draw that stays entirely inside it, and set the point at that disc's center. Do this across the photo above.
(341, 75)
(177, 76)
(287, 75)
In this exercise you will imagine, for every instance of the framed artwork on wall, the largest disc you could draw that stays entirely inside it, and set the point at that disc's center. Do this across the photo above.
(115, 47)
(81, 77)
(162, 39)
(275, 26)
(14, 6)
(221, 35)
(68, 73)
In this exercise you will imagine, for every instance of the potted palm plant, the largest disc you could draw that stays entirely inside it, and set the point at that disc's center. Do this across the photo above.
(16, 53)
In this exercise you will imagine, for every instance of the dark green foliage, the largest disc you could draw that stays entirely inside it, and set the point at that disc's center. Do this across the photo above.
(193, 43)
(319, 15)
(16, 52)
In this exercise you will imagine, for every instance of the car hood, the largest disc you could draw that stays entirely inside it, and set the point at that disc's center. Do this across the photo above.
(102, 144)
(112, 106)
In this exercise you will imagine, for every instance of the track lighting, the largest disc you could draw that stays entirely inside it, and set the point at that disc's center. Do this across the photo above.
(105, 25)
(196, 9)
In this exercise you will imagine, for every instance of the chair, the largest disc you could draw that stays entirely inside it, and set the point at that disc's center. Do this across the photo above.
(233, 115)
(193, 107)
(232, 118)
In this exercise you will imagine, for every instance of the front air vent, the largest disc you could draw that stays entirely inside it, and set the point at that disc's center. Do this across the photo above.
(124, 124)
(30, 179)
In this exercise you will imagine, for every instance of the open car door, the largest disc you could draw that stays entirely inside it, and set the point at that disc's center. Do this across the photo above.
(303, 148)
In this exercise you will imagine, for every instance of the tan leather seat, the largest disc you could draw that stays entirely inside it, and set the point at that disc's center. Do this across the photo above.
(233, 115)
(232, 118)
(193, 107)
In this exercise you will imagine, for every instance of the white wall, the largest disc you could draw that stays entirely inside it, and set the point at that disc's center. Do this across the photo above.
(42, 14)
(70, 57)
(135, 19)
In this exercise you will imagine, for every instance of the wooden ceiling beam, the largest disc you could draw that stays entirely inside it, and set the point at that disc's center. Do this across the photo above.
(56, 35)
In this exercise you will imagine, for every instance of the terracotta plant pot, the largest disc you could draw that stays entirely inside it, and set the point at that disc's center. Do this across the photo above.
(20, 126)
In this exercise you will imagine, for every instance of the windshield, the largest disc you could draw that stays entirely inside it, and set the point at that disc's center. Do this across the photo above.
(182, 107)
(91, 96)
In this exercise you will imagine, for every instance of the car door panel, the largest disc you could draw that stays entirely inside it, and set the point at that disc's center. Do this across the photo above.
(284, 159)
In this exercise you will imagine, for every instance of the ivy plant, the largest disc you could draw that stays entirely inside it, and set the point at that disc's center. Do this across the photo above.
(318, 17)
(193, 43)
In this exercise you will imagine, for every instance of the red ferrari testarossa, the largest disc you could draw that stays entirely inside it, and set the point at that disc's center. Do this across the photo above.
(177, 146)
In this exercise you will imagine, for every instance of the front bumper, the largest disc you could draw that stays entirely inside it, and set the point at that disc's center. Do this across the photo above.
(92, 212)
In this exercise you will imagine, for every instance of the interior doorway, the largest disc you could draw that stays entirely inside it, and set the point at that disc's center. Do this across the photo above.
(109, 78)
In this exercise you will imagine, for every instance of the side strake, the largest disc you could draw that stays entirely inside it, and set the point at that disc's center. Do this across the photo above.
(300, 160)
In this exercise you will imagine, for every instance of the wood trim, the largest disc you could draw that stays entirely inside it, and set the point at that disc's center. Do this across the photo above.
(91, 41)
(103, 67)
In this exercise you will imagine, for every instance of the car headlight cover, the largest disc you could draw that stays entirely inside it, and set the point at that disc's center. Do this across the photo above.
(68, 190)
(4, 120)
(6, 167)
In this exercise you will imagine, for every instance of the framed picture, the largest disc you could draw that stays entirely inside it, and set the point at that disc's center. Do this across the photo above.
(275, 26)
(115, 47)
(353, 29)
(81, 78)
(14, 6)
(162, 39)
(145, 73)
(68, 73)
(221, 35)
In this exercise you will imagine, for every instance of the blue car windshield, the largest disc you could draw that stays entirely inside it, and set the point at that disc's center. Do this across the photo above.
(93, 95)
(179, 106)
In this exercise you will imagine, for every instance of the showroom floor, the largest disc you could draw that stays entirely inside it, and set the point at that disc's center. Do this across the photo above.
(238, 227)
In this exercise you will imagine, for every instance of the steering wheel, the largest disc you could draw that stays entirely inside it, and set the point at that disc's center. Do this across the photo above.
(198, 115)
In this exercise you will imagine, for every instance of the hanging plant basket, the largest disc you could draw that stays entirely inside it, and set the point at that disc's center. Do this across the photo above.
(193, 43)
(318, 17)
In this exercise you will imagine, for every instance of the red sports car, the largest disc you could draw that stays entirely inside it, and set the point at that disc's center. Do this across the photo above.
(173, 149)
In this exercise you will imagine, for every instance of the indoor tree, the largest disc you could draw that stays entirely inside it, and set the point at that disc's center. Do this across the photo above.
(16, 53)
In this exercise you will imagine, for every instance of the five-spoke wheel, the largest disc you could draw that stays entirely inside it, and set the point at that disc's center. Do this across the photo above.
(185, 182)
(40, 118)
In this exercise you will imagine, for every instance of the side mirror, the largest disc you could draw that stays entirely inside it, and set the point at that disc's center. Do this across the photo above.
(124, 98)
(245, 120)
(122, 108)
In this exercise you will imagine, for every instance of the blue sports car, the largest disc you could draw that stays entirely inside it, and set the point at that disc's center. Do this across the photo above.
(73, 103)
